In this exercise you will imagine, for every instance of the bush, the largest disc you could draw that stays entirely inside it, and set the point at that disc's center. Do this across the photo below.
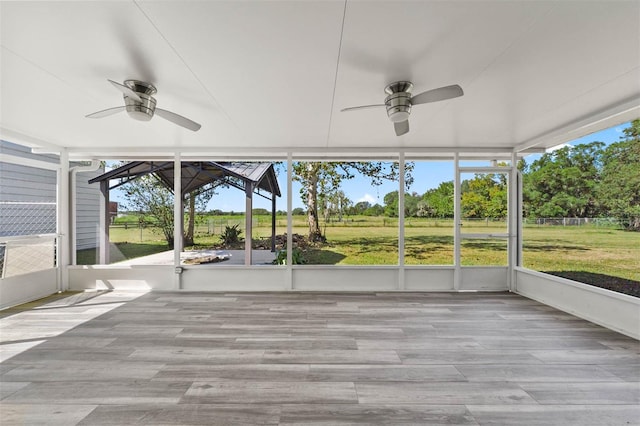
(231, 235)
(296, 257)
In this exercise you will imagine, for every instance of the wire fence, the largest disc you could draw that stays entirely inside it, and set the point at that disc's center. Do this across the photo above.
(27, 236)
(601, 222)
(21, 218)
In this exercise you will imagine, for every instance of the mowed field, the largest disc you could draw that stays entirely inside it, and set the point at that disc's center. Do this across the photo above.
(374, 241)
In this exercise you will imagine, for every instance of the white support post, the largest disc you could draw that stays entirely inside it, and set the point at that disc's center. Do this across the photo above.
(518, 227)
(512, 208)
(63, 219)
(289, 222)
(457, 223)
(178, 219)
(401, 184)
(519, 259)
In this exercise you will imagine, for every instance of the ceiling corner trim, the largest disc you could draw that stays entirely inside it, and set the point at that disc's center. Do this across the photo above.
(599, 120)
(20, 138)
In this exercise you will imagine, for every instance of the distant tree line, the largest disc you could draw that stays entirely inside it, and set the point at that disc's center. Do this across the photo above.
(587, 180)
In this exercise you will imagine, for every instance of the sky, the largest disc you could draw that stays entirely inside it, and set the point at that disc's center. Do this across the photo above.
(427, 175)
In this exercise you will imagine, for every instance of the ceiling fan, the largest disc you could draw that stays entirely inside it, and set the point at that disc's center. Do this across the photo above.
(400, 100)
(141, 105)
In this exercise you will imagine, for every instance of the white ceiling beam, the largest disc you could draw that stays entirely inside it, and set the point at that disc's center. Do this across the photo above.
(29, 162)
(38, 146)
(354, 150)
(300, 154)
(600, 120)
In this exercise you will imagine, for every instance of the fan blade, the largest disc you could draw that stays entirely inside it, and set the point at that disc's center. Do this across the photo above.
(361, 107)
(106, 112)
(401, 127)
(126, 91)
(435, 95)
(178, 119)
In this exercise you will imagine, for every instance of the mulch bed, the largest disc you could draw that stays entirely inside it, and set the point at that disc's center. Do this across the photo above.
(620, 285)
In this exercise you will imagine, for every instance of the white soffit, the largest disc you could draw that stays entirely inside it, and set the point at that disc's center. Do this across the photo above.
(268, 77)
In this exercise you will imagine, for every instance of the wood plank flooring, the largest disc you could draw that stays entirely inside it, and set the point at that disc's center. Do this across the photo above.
(119, 358)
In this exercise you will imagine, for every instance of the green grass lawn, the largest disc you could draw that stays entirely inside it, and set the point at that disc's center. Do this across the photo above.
(588, 249)
(374, 241)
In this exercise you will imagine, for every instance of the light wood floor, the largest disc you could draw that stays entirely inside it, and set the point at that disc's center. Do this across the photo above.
(301, 358)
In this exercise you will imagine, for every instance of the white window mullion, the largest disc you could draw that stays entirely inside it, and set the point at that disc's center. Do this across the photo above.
(401, 184)
(178, 218)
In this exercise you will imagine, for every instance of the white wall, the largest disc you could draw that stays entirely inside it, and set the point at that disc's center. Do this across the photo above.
(610, 309)
(88, 210)
(27, 287)
(106, 277)
(283, 278)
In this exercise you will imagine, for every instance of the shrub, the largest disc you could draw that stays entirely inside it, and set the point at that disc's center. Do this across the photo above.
(296, 257)
(231, 235)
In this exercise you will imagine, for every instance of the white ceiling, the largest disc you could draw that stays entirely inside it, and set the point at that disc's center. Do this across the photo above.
(267, 77)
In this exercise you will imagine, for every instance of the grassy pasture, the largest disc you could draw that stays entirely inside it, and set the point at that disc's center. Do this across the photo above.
(374, 241)
(587, 249)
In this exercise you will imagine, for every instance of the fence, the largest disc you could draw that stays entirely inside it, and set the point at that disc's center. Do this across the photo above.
(27, 214)
(605, 222)
(27, 237)
(27, 218)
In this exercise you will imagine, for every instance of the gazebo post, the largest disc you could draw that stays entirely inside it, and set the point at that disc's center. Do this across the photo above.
(248, 189)
(273, 223)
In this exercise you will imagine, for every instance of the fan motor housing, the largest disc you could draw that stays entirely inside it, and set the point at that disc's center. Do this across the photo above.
(398, 102)
(398, 106)
(142, 111)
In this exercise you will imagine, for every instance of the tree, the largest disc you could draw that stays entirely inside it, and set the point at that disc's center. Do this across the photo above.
(329, 175)
(391, 204)
(360, 207)
(437, 202)
(196, 201)
(149, 196)
(375, 210)
(410, 204)
(563, 182)
(619, 189)
(484, 196)
(339, 204)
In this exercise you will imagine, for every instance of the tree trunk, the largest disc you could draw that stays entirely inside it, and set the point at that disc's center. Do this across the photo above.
(188, 237)
(312, 210)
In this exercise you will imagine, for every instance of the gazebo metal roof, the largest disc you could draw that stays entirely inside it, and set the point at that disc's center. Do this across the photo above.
(251, 177)
(197, 174)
